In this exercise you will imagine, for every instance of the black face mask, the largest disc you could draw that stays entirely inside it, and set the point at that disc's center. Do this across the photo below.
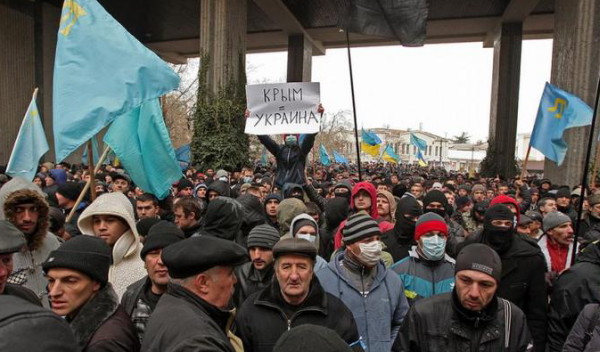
(499, 238)
(343, 195)
(564, 210)
(440, 212)
(407, 227)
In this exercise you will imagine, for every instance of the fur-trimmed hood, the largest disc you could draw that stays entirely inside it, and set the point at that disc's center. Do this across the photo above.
(28, 196)
(93, 314)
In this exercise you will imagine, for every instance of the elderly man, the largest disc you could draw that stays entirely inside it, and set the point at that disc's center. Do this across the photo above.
(471, 317)
(557, 243)
(79, 291)
(295, 298)
(192, 315)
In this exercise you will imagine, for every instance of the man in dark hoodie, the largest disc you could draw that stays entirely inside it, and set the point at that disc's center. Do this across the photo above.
(524, 267)
(400, 239)
(336, 210)
(216, 189)
(224, 217)
(253, 215)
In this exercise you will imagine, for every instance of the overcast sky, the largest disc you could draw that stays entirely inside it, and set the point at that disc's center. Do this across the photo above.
(446, 87)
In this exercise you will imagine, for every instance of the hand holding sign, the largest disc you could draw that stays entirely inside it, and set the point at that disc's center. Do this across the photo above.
(283, 108)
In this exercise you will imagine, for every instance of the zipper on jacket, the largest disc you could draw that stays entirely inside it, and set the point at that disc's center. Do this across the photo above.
(362, 283)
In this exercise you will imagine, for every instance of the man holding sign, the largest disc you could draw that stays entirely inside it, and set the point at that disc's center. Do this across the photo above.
(288, 109)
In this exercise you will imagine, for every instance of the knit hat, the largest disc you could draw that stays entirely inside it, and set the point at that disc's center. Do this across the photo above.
(479, 257)
(162, 234)
(264, 236)
(309, 337)
(430, 222)
(462, 201)
(525, 220)
(184, 183)
(553, 219)
(144, 225)
(221, 173)
(297, 224)
(11, 238)
(563, 192)
(87, 254)
(358, 227)
(534, 215)
(435, 196)
(478, 188)
(69, 190)
(498, 212)
(277, 197)
(594, 199)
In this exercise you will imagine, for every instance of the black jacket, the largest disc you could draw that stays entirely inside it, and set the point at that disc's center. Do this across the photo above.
(574, 288)
(291, 160)
(249, 281)
(253, 215)
(439, 323)
(261, 320)
(22, 292)
(401, 238)
(523, 283)
(183, 321)
(585, 335)
(133, 294)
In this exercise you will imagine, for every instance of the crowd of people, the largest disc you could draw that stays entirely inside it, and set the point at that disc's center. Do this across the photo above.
(298, 256)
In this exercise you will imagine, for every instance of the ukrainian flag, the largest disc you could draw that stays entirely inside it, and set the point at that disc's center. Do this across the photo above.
(370, 143)
(420, 158)
(389, 155)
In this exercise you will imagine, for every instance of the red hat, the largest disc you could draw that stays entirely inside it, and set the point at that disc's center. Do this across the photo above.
(430, 222)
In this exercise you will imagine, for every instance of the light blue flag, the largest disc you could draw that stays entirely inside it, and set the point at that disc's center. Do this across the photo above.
(418, 142)
(141, 142)
(370, 138)
(30, 145)
(324, 156)
(96, 156)
(264, 160)
(183, 155)
(340, 159)
(558, 111)
(100, 72)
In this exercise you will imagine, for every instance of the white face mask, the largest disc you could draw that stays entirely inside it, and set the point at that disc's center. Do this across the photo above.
(434, 247)
(370, 253)
(305, 236)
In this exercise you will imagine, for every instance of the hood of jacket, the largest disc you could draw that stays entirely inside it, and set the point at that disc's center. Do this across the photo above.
(16, 184)
(392, 201)
(287, 189)
(115, 204)
(59, 175)
(367, 186)
(220, 187)
(308, 218)
(287, 211)
(336, 210)
(224, 217)
(254, 212)
(198, 186)
(24, 196)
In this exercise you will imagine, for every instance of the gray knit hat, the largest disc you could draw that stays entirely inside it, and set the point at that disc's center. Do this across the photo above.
(479, 257)
(553, 219)
(359, 226)
(264, 236)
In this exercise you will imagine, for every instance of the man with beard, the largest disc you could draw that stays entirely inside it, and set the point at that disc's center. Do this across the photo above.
(27, 209)
(399, 240)
(524, 267)
(257, 274)
(141, 297)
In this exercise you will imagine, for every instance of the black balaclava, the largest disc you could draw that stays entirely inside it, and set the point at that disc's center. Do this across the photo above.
(499, 238)
(407, 206)
(563, 192)
(435, 196)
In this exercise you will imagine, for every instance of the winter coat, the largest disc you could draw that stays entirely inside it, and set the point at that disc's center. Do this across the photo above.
(573, 290)
(222, 188)
(423, 278)
(291, 160)
(435, 324)
(22, 292)
(523, 283)
(261, 320)
(133, 294)
(27, 263)
(589, 229)
(127, 266)
(401, 238)
(182, 321)
(585, 334)
(249, 281)
(223, 219)
(543, 243)
(102, 325)
(379, 314)
(336, 210)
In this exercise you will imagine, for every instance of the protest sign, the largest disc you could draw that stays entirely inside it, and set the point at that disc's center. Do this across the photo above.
(283, 108)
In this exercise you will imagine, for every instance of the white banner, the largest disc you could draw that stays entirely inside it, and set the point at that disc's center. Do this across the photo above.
(282, 108)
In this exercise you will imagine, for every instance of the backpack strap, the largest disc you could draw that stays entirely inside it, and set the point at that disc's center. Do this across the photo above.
(507, 322)
(591, 325)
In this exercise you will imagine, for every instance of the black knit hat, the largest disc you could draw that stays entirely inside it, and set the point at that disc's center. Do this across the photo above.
(435, 196)
(497, 212)
(309, 337)
(264, 236)
(69, 190)
(295, 246)
(358, 227)
(162, 234)
(144, 225)
(184, 183)
(479, 257)
(563, 192)
(87, 254)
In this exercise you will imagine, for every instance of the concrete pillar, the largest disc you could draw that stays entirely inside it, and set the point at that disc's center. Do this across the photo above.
(223, 39)
(505, 95)
(299, 62)
(575, 68)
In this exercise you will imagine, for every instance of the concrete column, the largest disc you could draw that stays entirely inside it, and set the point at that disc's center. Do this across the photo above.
(223, 39)
(575, 68)
(299, 62)
(505, 94)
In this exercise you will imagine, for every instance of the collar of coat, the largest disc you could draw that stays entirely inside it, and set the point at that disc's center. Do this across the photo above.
(93, 314)
(272, 297)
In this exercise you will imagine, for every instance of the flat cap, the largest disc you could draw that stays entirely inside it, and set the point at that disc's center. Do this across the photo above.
(197, 254)
(11, 238)
(295, 246)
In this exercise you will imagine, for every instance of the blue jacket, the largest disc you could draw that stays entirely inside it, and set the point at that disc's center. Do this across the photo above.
(422, 279)
(379, 314)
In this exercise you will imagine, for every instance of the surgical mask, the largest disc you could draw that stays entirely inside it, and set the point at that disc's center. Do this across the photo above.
(247, 179)
(291, 140)
(306, 236)
(370, 253)
(433, 247)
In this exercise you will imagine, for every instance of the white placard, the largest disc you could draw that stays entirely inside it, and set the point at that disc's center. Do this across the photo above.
(283, 108)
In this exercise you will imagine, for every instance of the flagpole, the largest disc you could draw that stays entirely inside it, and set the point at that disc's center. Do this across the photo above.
(87, 184)
(525, 163)
(353, 105)
(586, 167)
(91, 167)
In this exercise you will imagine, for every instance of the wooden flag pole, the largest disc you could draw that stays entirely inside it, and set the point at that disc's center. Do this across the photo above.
(524, 171)
(88, 184)
(91, 168)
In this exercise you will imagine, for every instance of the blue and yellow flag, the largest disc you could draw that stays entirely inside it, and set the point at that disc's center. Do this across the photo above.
(370, 143)
(418, 142)
(420, 158)
(30, 145)
(339, 158)
(100, 72)
(324, 156)
(141, 142)
(558, 111)
(389, 155)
